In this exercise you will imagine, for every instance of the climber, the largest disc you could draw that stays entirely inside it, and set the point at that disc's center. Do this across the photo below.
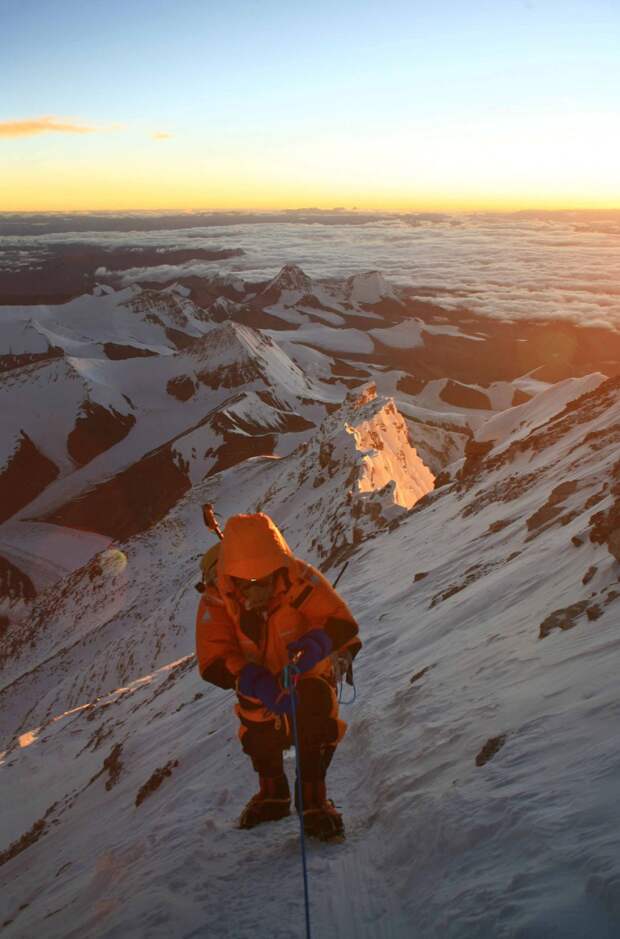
(260, 608)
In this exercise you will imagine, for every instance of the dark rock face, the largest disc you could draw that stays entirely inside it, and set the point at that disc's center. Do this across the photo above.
(291, 277)
(116, 351)
(606, 529)
(112, 765)
(181, 388)
(179, 339)
(343, 368)
(239, 447)
(14, 583)
(552, 507)
(490, 748)
(605, 526)
(472, 574)
(462, 396)
(154, 782)
(130, 502)
(410, 385)
(520, 397)
(565, 618)
(475, 452)
(96, 430)
(420, 674)
(9, 362)
(499, 525)
(27, 839)
(26, 474)
(229, 376)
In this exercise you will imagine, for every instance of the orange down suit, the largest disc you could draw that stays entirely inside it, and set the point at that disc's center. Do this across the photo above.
(228, 636)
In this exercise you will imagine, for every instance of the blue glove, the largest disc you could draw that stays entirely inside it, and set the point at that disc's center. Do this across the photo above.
(314, 647)
(255, 681)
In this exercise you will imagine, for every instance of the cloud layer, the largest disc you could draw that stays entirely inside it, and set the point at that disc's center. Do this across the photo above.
(42, 125)
(511, 267)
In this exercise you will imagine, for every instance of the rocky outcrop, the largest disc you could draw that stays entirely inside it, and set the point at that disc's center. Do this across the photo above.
(410, 385)
(552, 508)
(231, 375)
(10, 362)
(605, 525)
(464, 396)
(96, 430)
(14, 583)
(182, 388)
(291, 279)
(118, 351)
(130, 502)
(520, 397)
(26, 474)
(352, 478)
(475, 452)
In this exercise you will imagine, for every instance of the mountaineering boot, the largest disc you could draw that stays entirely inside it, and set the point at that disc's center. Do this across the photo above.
(272, 802)
(321, 819)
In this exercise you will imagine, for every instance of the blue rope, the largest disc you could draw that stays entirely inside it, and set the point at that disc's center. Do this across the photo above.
(289, 682)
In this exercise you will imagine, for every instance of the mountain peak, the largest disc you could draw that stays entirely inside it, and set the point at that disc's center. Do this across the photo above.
(361, 395)
(369, 287)
(291, 277)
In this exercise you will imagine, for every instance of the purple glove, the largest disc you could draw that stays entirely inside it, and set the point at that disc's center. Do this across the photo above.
(314, 647)
(255, 681)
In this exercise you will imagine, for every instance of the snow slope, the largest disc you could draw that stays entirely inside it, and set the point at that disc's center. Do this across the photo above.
(478, 778)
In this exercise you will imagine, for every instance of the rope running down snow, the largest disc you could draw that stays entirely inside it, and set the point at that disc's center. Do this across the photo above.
(290, 676)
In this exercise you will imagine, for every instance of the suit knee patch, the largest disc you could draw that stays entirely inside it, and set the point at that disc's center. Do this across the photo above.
(261, 739)
(316, 697)
(317, 724)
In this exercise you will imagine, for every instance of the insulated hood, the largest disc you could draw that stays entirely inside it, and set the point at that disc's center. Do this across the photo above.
(252, 547)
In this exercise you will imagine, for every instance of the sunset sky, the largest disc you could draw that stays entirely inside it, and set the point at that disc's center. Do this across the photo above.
(400, 104)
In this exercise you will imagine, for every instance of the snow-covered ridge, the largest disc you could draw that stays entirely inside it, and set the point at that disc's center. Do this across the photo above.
(356, 473)
(517, 422)
(112, 409)
(478, 775)
(235, 344)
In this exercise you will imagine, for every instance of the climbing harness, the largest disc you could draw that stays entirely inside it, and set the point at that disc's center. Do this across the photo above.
(290, 677)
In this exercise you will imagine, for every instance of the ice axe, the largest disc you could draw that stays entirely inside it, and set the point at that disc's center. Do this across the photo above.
(208, 517)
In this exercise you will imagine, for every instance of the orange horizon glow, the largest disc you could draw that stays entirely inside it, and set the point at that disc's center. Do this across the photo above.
(99, 192)
(511, 163)
(158, 186)
(304, 203)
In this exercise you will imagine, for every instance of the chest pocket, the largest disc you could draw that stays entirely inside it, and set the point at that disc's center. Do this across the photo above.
(288, 623)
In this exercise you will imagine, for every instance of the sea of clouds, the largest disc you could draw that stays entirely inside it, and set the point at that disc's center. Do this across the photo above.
(519, 266)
